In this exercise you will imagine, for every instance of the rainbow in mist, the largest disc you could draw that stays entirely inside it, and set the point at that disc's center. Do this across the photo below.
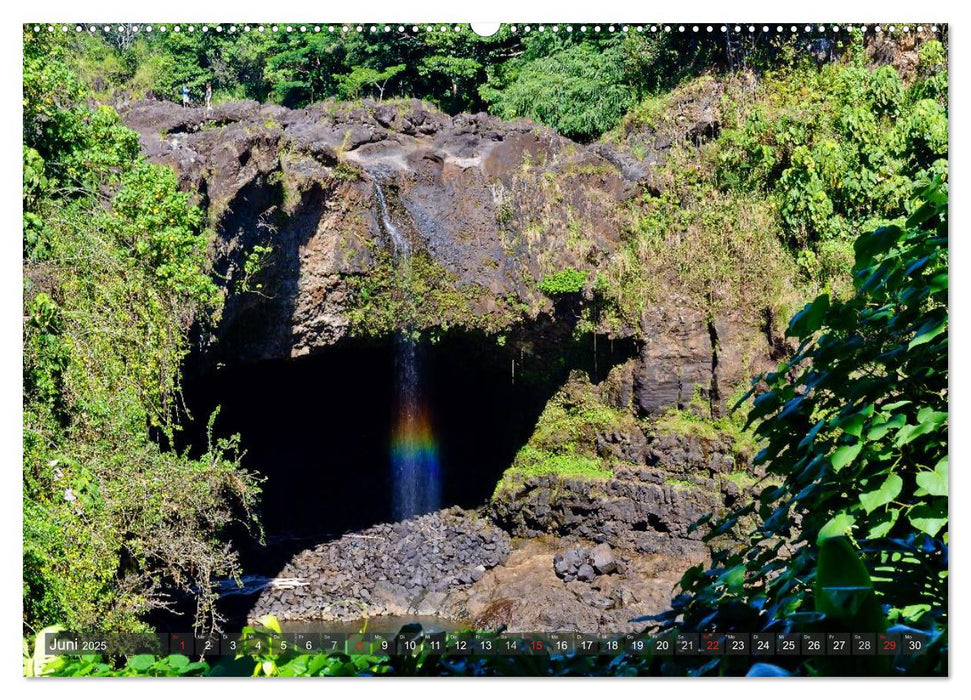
(415, 464)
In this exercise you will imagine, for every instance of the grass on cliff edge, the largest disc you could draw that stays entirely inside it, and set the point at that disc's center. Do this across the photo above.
(694, 420)
(565, 439)
(564, 442)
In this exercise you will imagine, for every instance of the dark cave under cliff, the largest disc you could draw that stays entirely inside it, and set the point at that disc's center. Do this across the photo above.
(318, 428)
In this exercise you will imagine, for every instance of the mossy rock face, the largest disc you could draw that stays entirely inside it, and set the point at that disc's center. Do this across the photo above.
(566, 441)
(597, 471)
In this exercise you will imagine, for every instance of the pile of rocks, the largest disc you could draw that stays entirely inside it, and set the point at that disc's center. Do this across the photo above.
(582, 564)
(395, 568)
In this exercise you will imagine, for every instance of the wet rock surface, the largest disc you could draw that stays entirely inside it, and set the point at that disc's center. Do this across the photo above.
(402, 568)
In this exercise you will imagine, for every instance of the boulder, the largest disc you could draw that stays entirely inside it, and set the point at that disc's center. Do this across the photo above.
(431, 603)
(602, 559)
(585, 573)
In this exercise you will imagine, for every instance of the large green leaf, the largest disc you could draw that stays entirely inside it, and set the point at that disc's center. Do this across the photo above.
(929, 518)
(929, 415)
(881, 496)
(837, 526)
(938, 283)
(845, 454)
(853, 423)
(878, 430)
(141, 662)
(909, 433)
(934, 482)
(927, 332)
(843, 588)
(177, 660)
(271, 623)
(882, 523)
(810, 319)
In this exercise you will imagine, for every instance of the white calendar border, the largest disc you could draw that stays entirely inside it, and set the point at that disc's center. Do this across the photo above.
(617, 11)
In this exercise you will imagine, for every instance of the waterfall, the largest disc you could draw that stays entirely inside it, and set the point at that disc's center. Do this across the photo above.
(414, 453)
(402, 246)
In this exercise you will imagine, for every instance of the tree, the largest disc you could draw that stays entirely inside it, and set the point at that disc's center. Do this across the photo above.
(351, 84)
(301, 69)
(579, 91)
(457, 70)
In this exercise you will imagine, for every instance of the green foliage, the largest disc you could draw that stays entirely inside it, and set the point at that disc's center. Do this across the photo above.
(765, 213)
(351, 85)
(855, 423)
(155, 220)
(255, 262)
(844, 148)
(292, 68)
(294, 72)
(264, 647)
(35, 184)
(46, 352)
(140, 665)
(581, 83)
(807, 210)
(52, 97)
(568, 281)
(113, 524)
(932, 69)
(579, 91)
(116, 273)
(564, 442)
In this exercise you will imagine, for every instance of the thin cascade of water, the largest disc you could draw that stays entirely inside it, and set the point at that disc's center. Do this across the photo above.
(414, 453)
(402, 246)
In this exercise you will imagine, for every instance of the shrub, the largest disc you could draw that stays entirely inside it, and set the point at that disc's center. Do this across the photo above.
(568, 281)
(115, 275)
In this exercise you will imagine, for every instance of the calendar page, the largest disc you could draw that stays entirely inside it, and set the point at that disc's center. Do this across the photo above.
(463, 349)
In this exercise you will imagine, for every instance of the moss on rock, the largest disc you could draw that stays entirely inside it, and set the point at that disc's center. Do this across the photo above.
(565, 441)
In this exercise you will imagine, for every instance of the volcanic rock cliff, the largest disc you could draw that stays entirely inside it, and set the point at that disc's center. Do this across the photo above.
(492, 207)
